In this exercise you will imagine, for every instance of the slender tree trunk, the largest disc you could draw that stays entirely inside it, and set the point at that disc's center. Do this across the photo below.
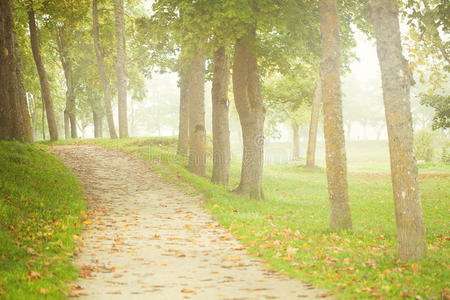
(45, 87)
(183, 125)
(314, 123)
(66, 124)
(396, 81)
(98, 123)
(34, 118)
(102, 73)
(340, 217)
(70, 110)
(197, 130)
(220, 118)
(295, 141)
(14, 116)
(247, 97)
(121, 67)
(43, 119)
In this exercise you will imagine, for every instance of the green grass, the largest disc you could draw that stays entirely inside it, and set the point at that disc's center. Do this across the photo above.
(40, 210)
(294, 216)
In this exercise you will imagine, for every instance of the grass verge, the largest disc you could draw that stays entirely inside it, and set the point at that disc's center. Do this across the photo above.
(41, 206)
(289, 229)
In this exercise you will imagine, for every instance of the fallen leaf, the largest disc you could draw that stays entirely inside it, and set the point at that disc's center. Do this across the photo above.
(114, 293)
(43, 291)
(187, 291)
(34, 275)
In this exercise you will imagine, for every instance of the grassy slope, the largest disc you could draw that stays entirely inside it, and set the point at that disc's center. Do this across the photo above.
(40, 209)
(294, 219)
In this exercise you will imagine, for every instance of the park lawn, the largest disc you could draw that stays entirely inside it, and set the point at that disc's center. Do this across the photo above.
(41, 207)
(289, 228)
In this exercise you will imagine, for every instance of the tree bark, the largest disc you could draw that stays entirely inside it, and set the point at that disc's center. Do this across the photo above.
(183, 125)
(45, 87)
(249, 105)
(197, 130)
(98, 123)
(70, 110)
(396, 81)
(121, 67)
(102, 73)
(14, 115)
(340, 217)
(220, 118)
(314, 123)
(295, 141)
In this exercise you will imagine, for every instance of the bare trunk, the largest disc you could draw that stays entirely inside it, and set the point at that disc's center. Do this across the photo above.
(340, 217)
(66, 125)
(314, 123)
(45, 87)
(43, 119)
(121, 67)
(247, 97)
(14, 116)
(396, 81)
(220, 121)
(295, 141)
(98, 123)
(101, 71)
(183, 126)
(197, 130)
(70, 110)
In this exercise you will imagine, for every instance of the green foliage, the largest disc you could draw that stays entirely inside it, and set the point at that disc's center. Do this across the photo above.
(441, 105)
(426, 42)
(40, 210)
(360, 264)
(288, 97)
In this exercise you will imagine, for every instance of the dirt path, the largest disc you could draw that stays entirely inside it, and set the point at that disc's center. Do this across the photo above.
(150, 240)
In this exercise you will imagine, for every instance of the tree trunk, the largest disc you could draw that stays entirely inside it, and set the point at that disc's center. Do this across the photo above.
(396, 81)
(314, 123)
(101, 71)
(295, 141)
(121, 67)
(220, 118)
(14, 115)
(70, 110)
(66, 124)
(45, 87)
(43, 119)
(183, 125)
(98, 122)
(249, 105)
(197, 130)
(340, 217)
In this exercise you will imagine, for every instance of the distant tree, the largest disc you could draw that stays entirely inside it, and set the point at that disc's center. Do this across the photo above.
(14, 117)
(336, 161)
(314, 123)
(396, 81)
(288, 99)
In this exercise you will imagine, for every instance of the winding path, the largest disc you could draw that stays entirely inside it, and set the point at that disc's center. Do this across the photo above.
(148, 239)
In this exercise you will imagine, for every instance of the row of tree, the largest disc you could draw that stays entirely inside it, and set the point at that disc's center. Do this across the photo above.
(266, 37)
(255, 40)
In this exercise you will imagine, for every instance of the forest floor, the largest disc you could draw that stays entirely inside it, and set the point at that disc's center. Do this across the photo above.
(145, 237)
